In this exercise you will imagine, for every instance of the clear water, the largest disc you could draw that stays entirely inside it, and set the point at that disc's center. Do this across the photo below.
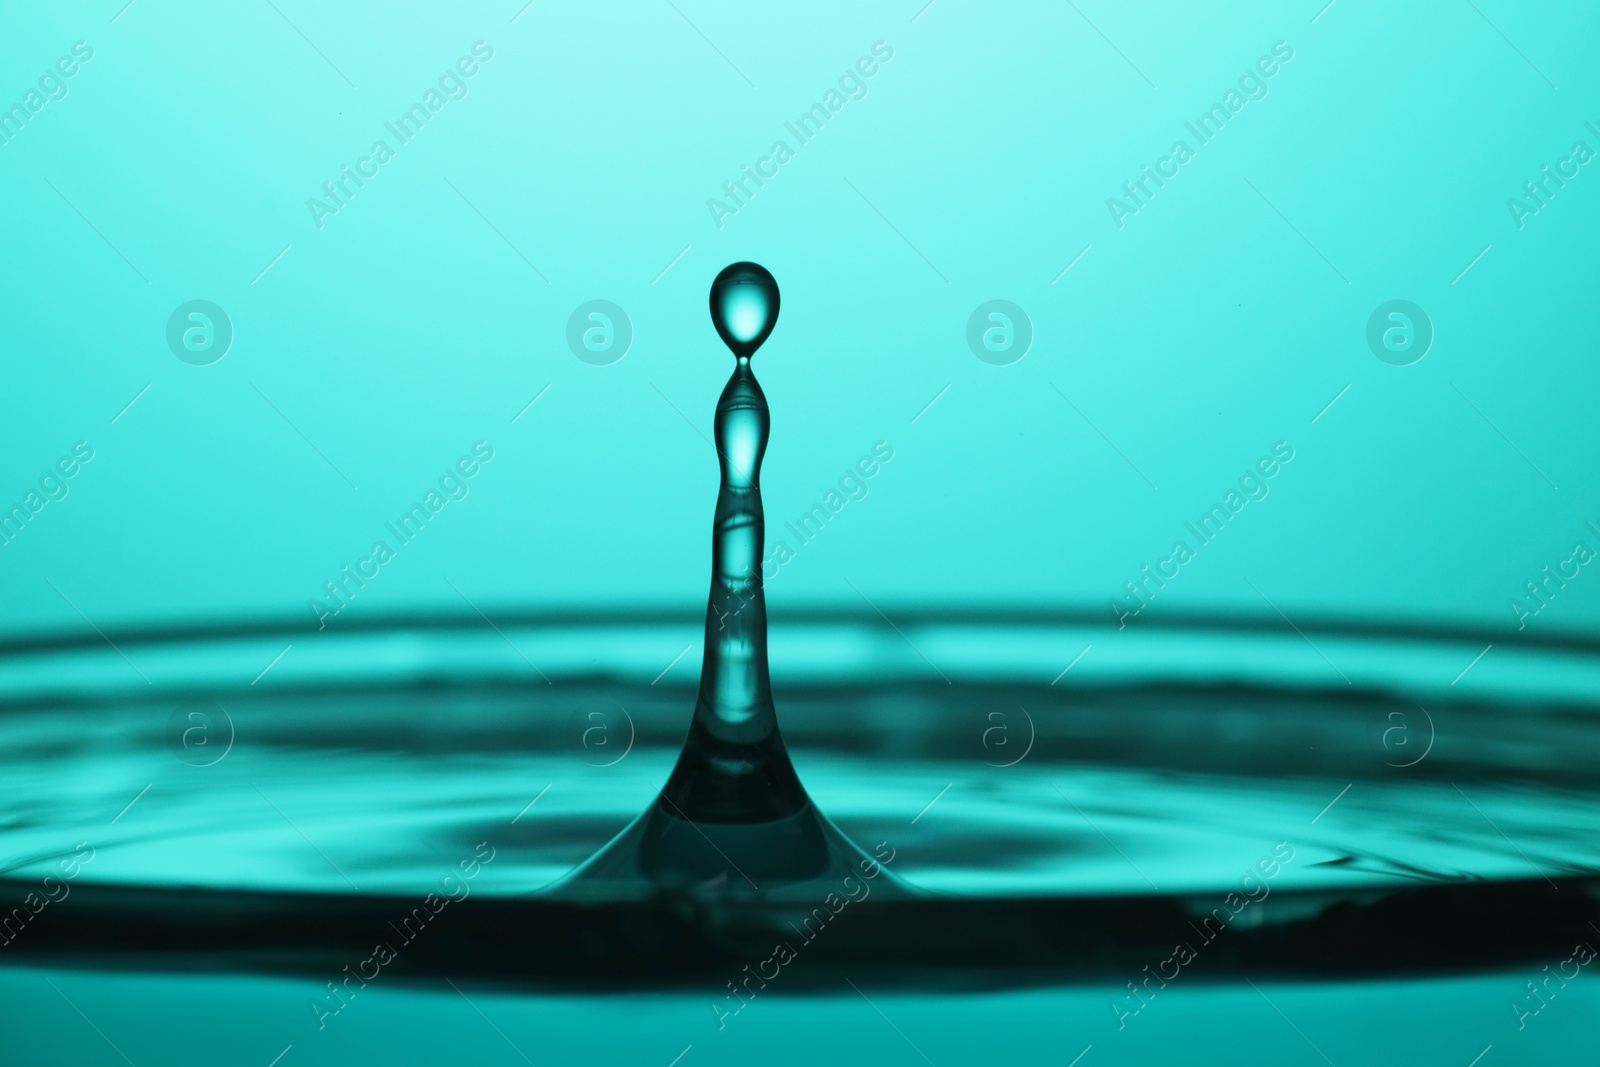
(1107, 822)
(241, 747)
(733, 820)
(416, 818)
(1190, 772)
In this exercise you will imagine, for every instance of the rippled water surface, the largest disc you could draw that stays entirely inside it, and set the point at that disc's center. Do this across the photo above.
(1115, 779)
(369, 768)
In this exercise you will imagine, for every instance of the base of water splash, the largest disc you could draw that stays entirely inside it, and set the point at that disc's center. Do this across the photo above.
(797, 858)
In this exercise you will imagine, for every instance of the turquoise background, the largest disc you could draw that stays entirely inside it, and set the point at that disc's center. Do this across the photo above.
(1219, 320)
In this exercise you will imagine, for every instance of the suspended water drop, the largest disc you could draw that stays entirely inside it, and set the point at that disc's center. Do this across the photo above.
(751, 828)
(744, 307)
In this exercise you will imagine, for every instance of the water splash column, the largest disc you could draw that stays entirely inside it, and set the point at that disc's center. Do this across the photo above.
(732, 820)
(734, 768)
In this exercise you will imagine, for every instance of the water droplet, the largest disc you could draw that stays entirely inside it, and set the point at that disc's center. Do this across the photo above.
(744, 307)
(754, 826)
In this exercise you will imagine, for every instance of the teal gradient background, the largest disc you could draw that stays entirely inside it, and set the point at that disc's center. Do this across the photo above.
(1221, 319)
(428, 320)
